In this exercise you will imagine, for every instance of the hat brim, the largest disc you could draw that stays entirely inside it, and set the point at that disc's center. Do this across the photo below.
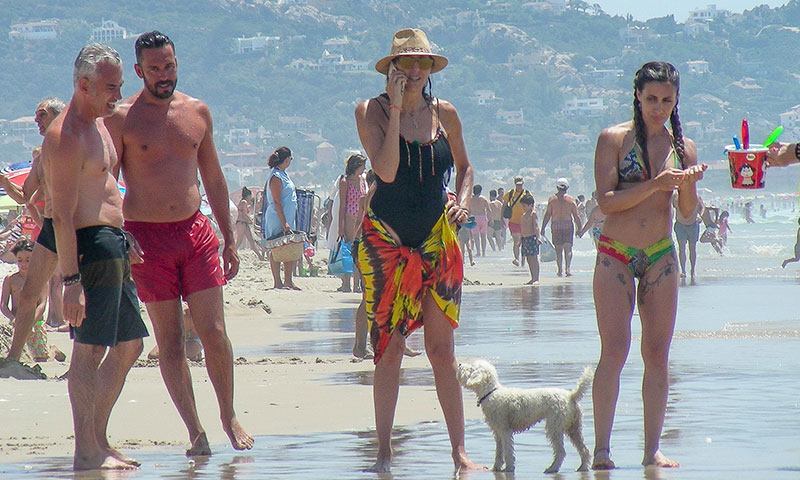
(439, 61)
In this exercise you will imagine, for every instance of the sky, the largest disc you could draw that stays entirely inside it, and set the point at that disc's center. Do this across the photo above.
(645, 9)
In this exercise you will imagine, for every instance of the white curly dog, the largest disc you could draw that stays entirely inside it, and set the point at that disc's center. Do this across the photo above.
(513, 410)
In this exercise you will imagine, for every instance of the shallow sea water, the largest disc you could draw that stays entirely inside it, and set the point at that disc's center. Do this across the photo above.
(733, 409)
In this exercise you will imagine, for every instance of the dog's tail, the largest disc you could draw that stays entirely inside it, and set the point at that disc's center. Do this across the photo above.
(583, 385)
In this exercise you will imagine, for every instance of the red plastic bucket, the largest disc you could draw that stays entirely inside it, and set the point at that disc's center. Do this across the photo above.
(747, 167)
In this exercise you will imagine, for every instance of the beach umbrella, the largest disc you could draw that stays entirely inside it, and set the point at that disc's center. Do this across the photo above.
(15, 166)
(7, 203)
(17, 176)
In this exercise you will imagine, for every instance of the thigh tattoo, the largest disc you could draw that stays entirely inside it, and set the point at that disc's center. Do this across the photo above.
(648, 283)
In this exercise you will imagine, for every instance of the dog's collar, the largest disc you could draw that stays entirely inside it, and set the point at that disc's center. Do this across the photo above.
(486, 396)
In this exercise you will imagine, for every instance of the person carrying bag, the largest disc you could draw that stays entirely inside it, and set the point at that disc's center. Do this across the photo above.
(340, 260)
(508, 208)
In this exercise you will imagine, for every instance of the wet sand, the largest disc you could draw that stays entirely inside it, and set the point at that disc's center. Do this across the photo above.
(284, 393)
(732, 410)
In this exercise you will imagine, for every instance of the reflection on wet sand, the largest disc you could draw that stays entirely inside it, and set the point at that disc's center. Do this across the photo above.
(733, 368)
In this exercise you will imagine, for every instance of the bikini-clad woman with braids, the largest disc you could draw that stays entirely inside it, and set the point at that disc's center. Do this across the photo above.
(639, 165)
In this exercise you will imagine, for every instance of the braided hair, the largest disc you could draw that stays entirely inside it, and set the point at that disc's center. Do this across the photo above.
(657, 72)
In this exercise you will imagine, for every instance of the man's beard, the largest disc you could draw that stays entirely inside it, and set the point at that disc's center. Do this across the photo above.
(154, 88)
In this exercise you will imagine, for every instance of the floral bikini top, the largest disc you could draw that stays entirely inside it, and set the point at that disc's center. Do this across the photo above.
(632, 168)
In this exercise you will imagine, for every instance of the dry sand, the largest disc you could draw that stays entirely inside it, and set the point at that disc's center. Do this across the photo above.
(289, 395)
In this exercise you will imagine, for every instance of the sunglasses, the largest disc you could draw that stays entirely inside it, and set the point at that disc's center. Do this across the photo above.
(407, 63)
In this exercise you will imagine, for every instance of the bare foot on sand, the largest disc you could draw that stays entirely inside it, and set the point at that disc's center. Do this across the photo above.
(366, 353)
(383, 464)
(659, 460)
(200, 447)
(122, 457)
(602, 460)
(57, 354)
(462, 463)
(240, 440)
(64, 327)
(410, 352)
(101, 461)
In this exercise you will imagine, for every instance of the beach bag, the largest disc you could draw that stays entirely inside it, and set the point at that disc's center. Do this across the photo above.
(340, 260)
(547, 252)
(508, 208)
(507, 211)
(286, 247)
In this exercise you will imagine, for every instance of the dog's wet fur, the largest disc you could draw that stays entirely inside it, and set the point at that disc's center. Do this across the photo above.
(513, 410)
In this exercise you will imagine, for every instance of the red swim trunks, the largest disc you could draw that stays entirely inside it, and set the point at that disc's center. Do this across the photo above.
(180, 258)
(515, 227)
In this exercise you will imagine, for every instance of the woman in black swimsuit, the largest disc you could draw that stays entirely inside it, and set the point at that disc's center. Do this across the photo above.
(413, 140)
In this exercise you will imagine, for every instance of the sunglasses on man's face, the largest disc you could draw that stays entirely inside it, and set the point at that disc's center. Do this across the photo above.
(407, 63)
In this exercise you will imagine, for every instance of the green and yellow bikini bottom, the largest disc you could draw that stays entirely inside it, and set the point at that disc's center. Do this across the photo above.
(638, 260)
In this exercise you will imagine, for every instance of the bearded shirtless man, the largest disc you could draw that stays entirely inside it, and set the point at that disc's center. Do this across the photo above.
(164, 138)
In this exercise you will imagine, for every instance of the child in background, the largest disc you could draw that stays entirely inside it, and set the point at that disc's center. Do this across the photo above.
(710, 217)
(12, 286)
(529, 225)
(465, 239)
(796, 249)
(724, 228)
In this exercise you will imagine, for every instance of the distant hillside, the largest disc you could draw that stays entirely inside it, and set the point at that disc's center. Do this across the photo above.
(514, 73)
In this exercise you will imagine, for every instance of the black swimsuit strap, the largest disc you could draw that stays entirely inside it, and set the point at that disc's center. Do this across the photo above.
(386, 97)
(382, 95)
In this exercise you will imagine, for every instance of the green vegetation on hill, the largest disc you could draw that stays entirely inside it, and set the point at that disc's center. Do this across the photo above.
(249, 90)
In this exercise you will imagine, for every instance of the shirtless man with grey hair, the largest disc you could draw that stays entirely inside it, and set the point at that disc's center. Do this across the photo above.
(43, 259)
(99, 295)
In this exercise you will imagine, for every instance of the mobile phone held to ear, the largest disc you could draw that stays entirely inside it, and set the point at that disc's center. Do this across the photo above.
(392, 68)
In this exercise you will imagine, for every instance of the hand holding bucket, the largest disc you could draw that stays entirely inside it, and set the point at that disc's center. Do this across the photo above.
(747, 166)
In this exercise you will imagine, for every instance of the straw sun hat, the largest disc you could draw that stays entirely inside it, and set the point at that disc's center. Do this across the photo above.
(410, 42)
